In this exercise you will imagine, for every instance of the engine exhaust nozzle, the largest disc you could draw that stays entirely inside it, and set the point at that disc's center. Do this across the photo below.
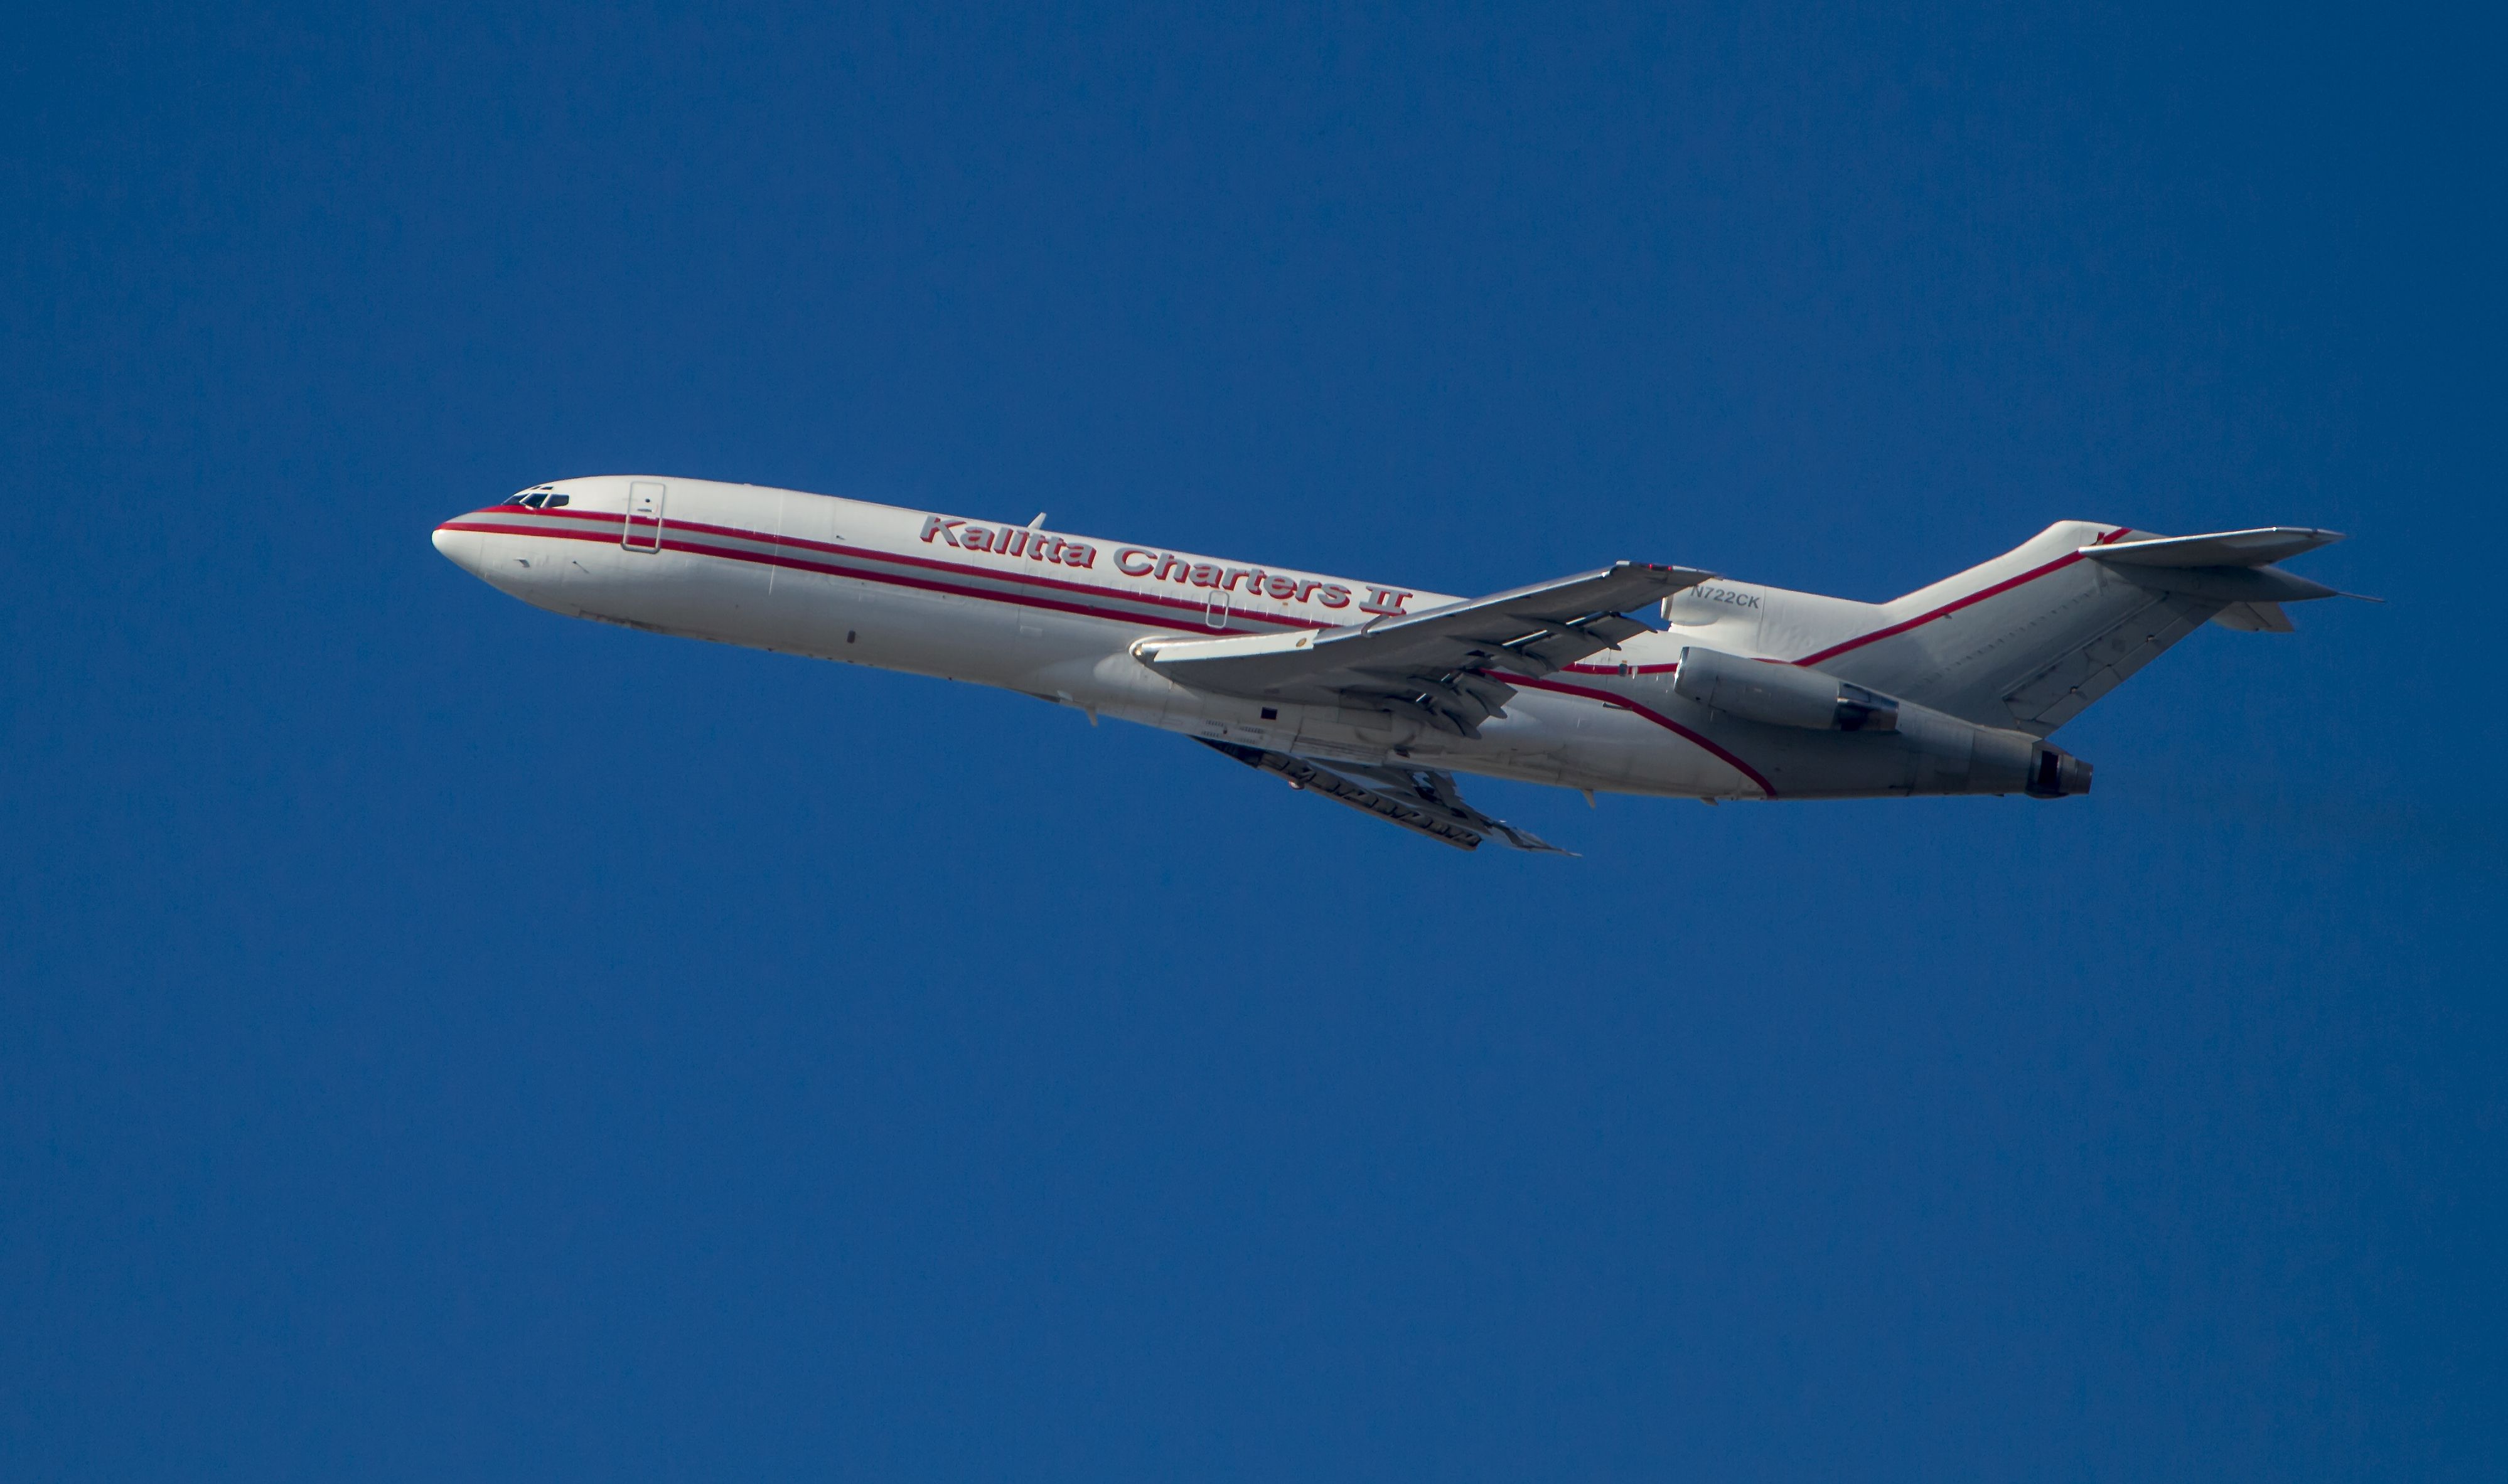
(2057, 775)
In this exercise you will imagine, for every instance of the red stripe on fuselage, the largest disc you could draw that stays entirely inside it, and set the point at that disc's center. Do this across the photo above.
(1651, 714)
(897, 579)
(1948, 609)
(609, 520)
(671, 543)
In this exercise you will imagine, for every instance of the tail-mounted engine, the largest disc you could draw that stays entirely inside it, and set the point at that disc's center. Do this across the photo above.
(1780, 694)
(1930, 752)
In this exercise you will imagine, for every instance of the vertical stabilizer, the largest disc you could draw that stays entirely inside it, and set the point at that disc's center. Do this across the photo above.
(2032, 638)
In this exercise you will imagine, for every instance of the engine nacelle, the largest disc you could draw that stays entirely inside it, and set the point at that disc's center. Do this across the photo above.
(1962, 757)
(1780, 694)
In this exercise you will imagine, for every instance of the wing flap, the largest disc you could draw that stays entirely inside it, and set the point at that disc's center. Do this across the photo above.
(1422, 801)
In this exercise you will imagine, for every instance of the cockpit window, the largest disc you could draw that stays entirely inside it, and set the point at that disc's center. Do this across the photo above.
(542, 498)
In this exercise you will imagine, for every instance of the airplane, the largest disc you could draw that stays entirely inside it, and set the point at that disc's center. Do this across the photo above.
(1375, 696)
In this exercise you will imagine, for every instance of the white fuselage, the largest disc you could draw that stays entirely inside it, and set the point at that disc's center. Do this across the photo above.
(1058, 617)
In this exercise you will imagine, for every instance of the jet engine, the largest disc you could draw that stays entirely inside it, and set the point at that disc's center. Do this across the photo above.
(1781, 694)
(1951, 756)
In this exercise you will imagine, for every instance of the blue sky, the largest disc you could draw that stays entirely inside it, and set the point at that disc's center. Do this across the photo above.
(442, 1039)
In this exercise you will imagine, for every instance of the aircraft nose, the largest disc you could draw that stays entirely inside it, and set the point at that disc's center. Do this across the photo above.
(460, 547)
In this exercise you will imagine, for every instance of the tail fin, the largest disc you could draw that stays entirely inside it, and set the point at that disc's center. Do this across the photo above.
(2030, 638)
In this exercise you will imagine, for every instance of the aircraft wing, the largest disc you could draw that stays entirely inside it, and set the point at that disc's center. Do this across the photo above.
(1421, 800)
(1434, 665)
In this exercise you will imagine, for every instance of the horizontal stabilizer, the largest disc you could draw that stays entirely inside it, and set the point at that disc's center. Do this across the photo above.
(2233, 568)
(2226, 583)
(2260, 547)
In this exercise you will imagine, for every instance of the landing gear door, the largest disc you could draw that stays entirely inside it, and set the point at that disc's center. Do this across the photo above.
(643, 532)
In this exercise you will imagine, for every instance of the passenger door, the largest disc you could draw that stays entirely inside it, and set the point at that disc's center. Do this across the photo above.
(643, 529)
